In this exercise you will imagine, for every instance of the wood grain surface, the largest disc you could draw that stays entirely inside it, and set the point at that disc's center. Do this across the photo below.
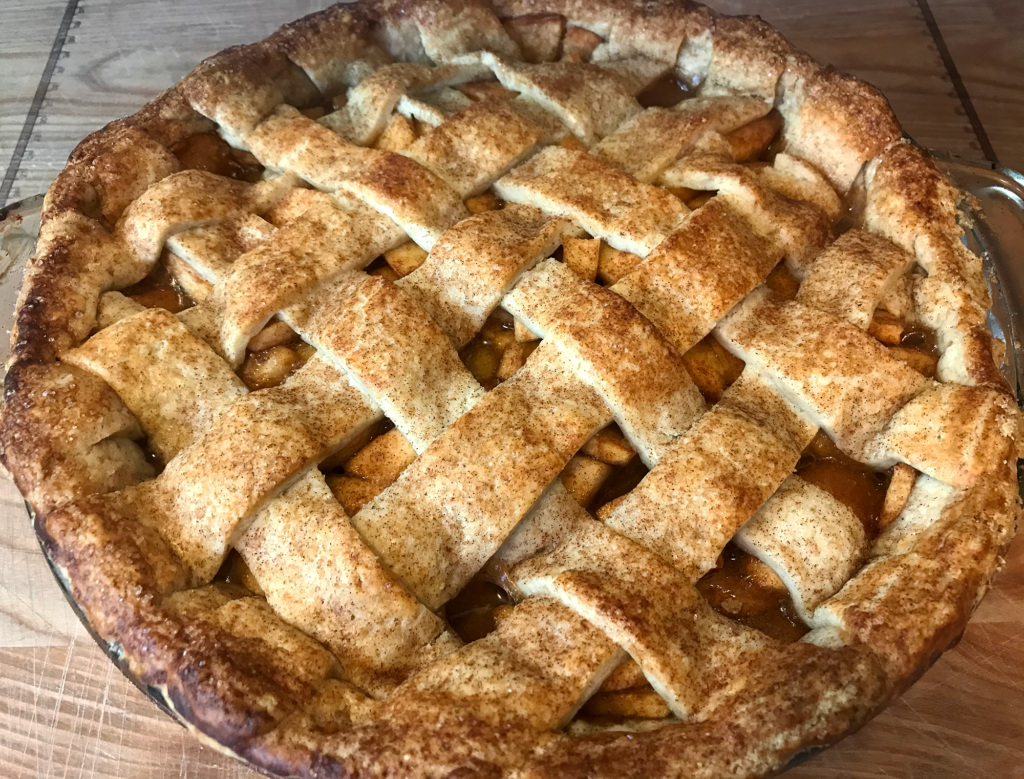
(954, 72)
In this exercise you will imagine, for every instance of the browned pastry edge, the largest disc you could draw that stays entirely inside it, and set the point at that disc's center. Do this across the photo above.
(227, 687)
(756, 732)
(46, 404)
(927, 206)
(213, 679)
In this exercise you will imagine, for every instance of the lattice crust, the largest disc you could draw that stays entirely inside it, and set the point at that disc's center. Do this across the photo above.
(172, 381)
(636, 373)
(810, 539)
(302, 529)
(652, 140)
(799, 228)
(698, 273)
(77, 436)
(607, 203)
(793, 346)
(435, 534)
(912, 204)
(853, 275)
(685, 649)
(714, 479)
(378, 632)
(378, 126)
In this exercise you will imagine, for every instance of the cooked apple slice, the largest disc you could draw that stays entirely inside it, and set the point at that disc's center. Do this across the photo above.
(885, 327)
(267, 368)
(398, 135)
(896, 497)
(921, 362)
(538, 35)
(583, 477)
(751, 139)
(514, 358)
(578, 44)
(643, 702)
(352, 492)
(582, 256)
(627, 676)
(486, 90)
(406, 258)
(276, 333)
(782, 283)
(383, 459)
(712, 368)
(482, 203)
(609, 446)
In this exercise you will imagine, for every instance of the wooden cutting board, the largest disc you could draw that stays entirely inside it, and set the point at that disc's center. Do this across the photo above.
(953, 71)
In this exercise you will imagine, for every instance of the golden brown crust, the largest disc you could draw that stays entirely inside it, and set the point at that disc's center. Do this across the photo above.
(228, 685)
(619, 352)
(909, 608)
(217, 658)
(804, 699)
(911, 203)
(834, 120)
(655, 31)
(62, 285)
(66, 434)
(747, 58)
(710, 263)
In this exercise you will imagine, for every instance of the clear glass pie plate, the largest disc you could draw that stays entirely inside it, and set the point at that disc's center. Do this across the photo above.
(992, 216)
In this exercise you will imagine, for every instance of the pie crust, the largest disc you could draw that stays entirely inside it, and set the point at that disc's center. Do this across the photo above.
(147, 460)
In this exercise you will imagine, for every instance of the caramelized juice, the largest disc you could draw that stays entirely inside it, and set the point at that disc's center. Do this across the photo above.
(859, 486)
(666, 91)
(471, 612)
(159, 290)
(210, 152)
(732, 590)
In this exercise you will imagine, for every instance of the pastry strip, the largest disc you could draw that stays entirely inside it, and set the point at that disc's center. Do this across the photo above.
(466, 273)
(319, 244)
(852, 276)
(208, 494)
(376, 629)
(646, 144)
(173, 382)
(190, 199)
(477, 145)
(499, 457)
(813, 542)
(210, 250)
(839, 376)
(371, 103)
(603, 200)
(392, 349)
(799, 228)
(640, 376)
(698, 273)
(713, 479)
(536, 669)
(950, 432)
(686, 650)
(591, 101)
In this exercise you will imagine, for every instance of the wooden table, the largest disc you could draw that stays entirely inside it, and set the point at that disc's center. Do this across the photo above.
(953, 71)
